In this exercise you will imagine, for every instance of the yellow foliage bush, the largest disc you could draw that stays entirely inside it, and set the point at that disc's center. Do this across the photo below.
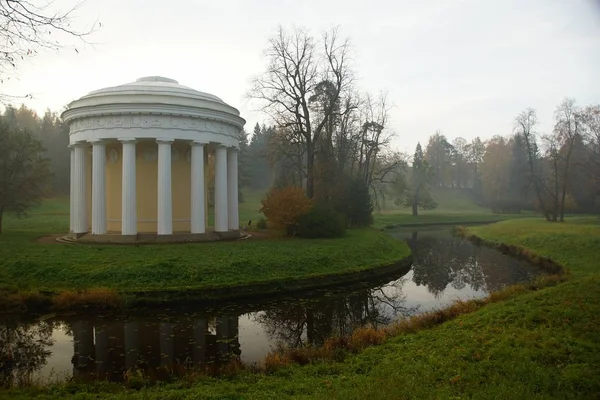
(283, 208)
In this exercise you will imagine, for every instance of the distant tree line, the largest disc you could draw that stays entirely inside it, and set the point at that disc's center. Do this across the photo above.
(553, 173)
(53, 135)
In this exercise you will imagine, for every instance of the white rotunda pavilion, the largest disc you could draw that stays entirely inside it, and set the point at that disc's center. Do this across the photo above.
(139, 155)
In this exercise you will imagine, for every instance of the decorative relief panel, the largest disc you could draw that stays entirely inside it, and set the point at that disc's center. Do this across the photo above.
(153, 121)
(113, 155)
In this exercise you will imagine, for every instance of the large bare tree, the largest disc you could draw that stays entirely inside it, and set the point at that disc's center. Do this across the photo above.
(525, 124)
(302, 86)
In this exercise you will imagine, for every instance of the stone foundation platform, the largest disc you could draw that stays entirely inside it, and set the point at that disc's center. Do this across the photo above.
(151, 238)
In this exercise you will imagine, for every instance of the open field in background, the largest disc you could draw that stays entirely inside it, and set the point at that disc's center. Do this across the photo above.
(455, 206)
(540, 344)
(449, 201)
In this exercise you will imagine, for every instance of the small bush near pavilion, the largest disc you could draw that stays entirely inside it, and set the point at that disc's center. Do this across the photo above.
(283, 208)
(322, 222)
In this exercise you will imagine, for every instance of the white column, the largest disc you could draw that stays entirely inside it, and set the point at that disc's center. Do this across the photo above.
(128, 190)
(80, 224)
(98, 188)
(198, 224)
(165, 206)
(72, 191)
(232, 188)
(221, 203)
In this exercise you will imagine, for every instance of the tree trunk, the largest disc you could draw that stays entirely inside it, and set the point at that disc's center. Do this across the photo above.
(534, 178)
(1, 211)
(310, 162)
(415, 206)
(564, 185)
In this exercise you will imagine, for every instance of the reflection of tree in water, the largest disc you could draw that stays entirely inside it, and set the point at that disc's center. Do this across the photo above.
(313, 322)
(23, 350)
(440, 260)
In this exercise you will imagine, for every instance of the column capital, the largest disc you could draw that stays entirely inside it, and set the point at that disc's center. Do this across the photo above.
(127, 140)
(233, 148)
(198, 143)
(98, 141)
(82, 143)
(164, 140)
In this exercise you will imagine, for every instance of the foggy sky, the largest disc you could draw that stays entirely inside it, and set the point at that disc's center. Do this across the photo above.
(465, 67)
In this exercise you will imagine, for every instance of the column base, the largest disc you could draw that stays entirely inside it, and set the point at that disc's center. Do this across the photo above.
(75, 235)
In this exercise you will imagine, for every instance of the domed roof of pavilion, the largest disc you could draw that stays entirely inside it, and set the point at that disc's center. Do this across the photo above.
(155, 85)
(149, 94)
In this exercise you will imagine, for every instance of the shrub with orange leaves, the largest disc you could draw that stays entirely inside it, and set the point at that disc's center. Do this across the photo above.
(283, 207)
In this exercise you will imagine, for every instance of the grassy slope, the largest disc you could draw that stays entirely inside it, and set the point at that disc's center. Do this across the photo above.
(454, 206)
(543, 344)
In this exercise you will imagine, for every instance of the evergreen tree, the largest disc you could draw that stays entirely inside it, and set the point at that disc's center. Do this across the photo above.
(355, 203)
(418, 194)
(244, 173)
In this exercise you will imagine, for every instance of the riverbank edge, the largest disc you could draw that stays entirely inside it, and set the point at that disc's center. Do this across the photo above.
(520, 252)
(105, 300)
(274, 288)
(444, 223)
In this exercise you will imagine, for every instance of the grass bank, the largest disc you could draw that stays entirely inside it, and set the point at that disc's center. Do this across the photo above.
(32, 269)
(535, 344)
(574, 244)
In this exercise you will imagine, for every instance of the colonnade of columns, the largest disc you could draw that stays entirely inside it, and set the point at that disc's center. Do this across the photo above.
(226, 188)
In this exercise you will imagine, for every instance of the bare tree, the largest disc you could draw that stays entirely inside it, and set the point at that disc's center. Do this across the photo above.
(524, 125)
(299, 68)
(26, 28)
(566, 131)
(552, 177)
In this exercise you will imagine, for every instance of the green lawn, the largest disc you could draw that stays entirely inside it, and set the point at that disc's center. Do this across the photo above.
(27, 265)
(539, 345)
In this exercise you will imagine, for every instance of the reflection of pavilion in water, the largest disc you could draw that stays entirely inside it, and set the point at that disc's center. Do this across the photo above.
(110, 348)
